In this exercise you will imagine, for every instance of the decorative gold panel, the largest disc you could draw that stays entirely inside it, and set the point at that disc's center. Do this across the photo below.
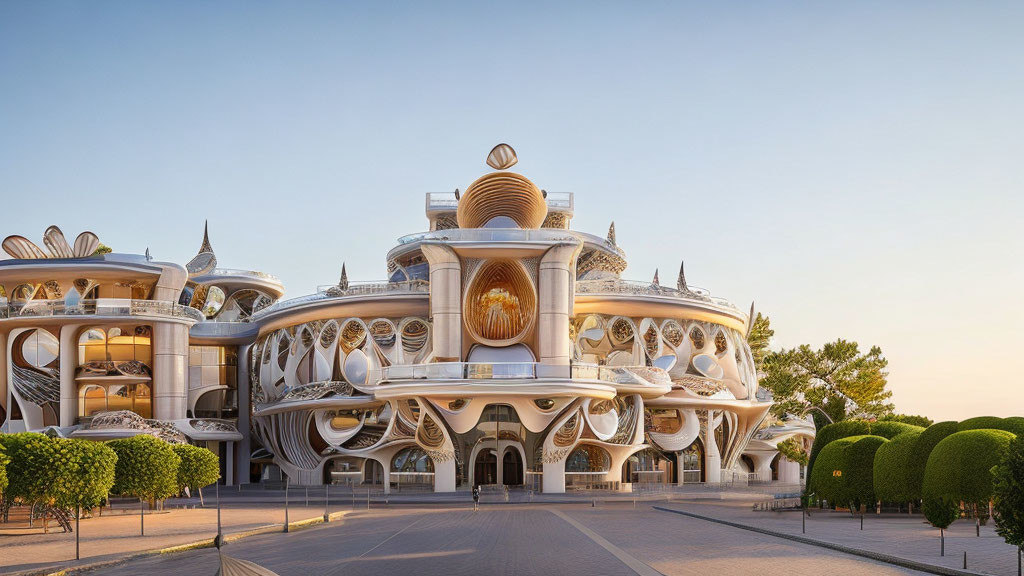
(501, 303)
(502, 194)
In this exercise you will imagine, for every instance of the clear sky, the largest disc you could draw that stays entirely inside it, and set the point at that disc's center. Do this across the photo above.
(857, 170)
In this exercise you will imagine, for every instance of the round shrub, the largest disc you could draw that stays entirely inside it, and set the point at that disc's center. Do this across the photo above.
(86, 473)
(146, 468)
(199, 467)
(928, 439)
(33, 469)
(892, 468)
(960, 466)
(1014, 424)
(1008, 493)
(889, 430)
(940, 513)
(832, 432)
(845, 471)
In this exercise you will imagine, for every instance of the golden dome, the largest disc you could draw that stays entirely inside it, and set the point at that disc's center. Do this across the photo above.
(502, 194)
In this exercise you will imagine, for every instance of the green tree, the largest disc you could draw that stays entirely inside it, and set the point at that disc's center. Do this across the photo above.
(32, 470)
(758, 338)
(838, 380)
(146, 468)
(793, 450)
(4, 460)
(1008, 493)
(959, 468)
(102, 249)
(199, 467)
(922, 421)
(85, 473)
(892, 469)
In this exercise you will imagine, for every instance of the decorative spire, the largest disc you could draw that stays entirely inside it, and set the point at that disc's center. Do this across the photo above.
(456, 193)
(681, 282)
(343, 282)
(206, 248)
(611, 233)
(656, 282)
(148, 256)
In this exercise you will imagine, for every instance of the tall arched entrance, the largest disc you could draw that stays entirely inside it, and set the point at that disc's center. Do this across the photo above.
(485, 468)
(511, 468)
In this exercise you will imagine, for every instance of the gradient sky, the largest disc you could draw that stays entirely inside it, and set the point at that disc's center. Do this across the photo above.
(856, 170)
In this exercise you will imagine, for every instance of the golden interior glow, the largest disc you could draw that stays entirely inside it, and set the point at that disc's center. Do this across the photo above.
(500, 303)
(502, 194)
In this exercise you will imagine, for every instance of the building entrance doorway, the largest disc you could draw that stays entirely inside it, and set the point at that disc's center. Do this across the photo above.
(511, 468)
(485, 469)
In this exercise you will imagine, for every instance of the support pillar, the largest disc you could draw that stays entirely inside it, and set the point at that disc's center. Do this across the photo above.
(68, 364)
(170, 359)
(444, 476)
(555, 287)
(445, 302)
(4, 399)
(712, 458)
(243, 448)
(554, 477)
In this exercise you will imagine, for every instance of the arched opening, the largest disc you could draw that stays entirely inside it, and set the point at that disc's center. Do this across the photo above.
(373, 472)
(412, 467)
(344, 470)
(692, 464)
(511, 468)
(775, 467)
(649, 466)
(485, 468)
(586, 466)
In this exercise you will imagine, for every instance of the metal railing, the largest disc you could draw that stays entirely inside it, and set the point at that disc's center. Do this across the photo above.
(354, 289)
(460, 371)
(559, 201)
(618, 286)
(98, 307)
(239, 272)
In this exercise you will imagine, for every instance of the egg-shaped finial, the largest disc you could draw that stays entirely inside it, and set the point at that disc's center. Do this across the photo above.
(502, 157)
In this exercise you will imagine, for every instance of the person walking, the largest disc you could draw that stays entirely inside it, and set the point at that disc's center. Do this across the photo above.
(476, 498)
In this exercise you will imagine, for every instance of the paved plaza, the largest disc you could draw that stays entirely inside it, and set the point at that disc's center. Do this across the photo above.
(615, 539)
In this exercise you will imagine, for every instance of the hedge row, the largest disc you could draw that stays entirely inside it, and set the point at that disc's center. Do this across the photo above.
(845, 472)
(959, 468)
(892, 476)
(847, 428)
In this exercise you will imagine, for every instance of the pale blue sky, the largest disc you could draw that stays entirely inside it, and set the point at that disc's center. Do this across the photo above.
(856, 169)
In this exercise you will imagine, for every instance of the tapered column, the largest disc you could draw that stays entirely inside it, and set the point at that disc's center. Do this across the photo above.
(554, 477)
(712, 458)
(68, 365)
(243, 448)
(445, 302)
(556, 280)
(170, 355)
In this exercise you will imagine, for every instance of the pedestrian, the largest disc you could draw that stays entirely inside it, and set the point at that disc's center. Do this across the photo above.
(476, 498)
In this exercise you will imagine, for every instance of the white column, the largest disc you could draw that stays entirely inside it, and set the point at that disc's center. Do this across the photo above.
(229, 466)
(554, 477)
(445, 302)
(555, 297)
(243, 450)
(444, 476)
(712, 459)
(68, 365)
(4, 404)
(170, 359)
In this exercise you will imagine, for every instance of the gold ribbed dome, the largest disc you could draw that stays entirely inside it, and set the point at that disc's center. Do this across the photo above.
(502, 194)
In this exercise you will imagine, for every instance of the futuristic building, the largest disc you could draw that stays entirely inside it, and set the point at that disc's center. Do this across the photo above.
(504, 348)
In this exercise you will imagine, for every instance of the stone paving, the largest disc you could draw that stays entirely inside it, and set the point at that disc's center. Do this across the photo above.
(517, 540)
(903, 535)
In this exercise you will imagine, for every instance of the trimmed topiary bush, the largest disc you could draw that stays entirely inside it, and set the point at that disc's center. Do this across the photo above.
(832, 432)
(940, 513)
(845, 474)
(146, 468)
(1014, 424)
(960, 466)
(1008, 493)
(4, 460)
(892, 473)
(928, 439)
(199, 467)
(33, 470)
(890, 430)
(86, 473)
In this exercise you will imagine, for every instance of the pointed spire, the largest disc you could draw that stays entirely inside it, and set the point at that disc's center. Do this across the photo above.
(681, 282)
(343, 283)
(611, 234)
(206, 239)
(657, 281)
(457, 194)
(149, 257)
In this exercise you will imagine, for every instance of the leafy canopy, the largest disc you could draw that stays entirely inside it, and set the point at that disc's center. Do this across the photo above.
(32, 470)
(838, 379)
(793, 450)
(146, 467)
(758, 338)
(959, 467)
(922, 421)
(1008, 493)
(85, 473)
(4, 460)
(199, 467)
(893, 482)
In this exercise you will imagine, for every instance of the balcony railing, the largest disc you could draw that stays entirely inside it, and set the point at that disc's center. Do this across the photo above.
(617, 286)
(353, 289)
(239, 272)
(98, 307)
(460, 371)
(438, 201)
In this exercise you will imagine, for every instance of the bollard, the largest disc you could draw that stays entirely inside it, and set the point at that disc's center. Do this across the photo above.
(593, 503)
(942, 542)
(367, 498)
(861, 521)
(220, 536)
(977, 528)
(327, 502)
(307, 496)
(78, 516)
(965, 559)
(142, 516)
(803, 521)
